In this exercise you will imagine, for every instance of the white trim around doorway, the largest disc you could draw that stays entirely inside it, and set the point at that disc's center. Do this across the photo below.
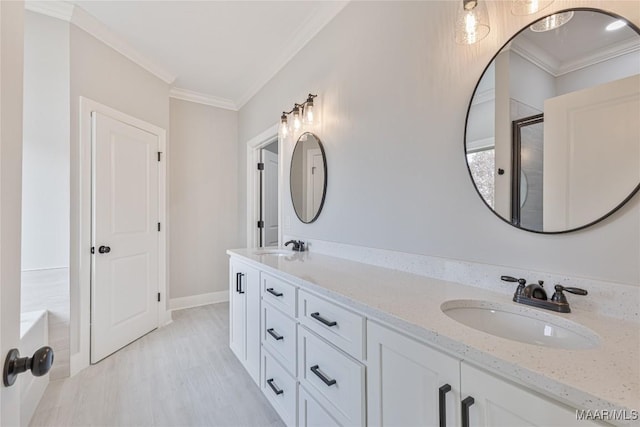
(81, 301)
(254, 145)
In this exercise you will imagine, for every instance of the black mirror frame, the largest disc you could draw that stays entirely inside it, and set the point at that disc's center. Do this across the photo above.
(324, 189)
(466, 122)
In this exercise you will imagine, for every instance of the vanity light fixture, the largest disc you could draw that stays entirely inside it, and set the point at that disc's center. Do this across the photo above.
(528, 7)
(300, 114)
(472, 22)
(616, 25)
(551, 22)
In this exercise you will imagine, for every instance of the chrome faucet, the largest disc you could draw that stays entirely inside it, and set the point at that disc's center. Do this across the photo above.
(298, 245)
(535, 295)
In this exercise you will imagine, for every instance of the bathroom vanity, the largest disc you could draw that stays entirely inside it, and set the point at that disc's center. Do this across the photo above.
(336, 342)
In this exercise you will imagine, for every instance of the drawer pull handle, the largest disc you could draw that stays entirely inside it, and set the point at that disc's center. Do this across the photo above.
(238, 275)
(275, 388)
(466, 403)
(316, 370)
(321, 319)
(274, 292)
(274, 334)
(442, 403)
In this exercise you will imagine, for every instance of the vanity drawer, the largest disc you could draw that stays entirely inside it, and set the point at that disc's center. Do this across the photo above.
(279, 336)
(280, 388)
(311, 413)
(334, 379)
(337, 325)
(279, 293)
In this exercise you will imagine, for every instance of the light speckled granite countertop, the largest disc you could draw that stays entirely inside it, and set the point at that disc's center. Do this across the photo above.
(606, 377)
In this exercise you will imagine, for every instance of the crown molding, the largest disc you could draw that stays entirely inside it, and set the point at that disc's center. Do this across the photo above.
(539, 57)
(307, 30)
(202, 98)
(55, 9)
(87, 22)
(618, 49)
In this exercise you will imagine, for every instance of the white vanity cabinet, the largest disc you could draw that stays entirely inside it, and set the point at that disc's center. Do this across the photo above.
(409, 383)
(244, 315)
(321, 363)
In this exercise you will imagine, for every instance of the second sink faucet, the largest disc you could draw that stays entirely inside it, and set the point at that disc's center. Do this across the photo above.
(298, 245)
(535, 295)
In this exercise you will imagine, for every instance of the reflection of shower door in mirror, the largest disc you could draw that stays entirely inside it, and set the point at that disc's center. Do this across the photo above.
(592, 147)
(527, 172)
(315, 179)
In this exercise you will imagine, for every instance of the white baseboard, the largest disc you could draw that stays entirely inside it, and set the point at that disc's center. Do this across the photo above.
(198, 300)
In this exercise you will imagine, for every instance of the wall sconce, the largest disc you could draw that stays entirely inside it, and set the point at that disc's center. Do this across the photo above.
(472, 22)
(300, 114)
(528, 7)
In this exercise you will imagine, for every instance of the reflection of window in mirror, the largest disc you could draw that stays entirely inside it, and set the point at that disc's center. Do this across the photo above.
(482, 166)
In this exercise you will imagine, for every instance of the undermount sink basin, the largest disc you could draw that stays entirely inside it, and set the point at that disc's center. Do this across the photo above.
(274, 252)
(521, 324)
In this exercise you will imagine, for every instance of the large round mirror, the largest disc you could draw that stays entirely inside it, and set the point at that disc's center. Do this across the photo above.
(308, 177)
(559, 104)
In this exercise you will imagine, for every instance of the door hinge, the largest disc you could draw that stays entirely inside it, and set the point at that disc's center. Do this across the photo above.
(93, 250)
(158, 226)
(260, 224)
(260, 166)
(158, 296)
(159, 154)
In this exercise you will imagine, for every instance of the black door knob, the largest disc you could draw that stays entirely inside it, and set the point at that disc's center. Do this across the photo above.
(39, 364)
(104, 249)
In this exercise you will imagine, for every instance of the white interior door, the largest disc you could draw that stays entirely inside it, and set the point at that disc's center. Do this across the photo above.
(11, 33)
(125, 237)
(315, 181)
(583, 157)
(270, 198)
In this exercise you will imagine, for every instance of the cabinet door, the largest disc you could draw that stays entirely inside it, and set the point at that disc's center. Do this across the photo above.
(499, 403)
(405, 379)
(244, 316)
(237, 312)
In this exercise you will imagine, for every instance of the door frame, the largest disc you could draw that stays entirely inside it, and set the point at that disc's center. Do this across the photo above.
(81, 359)
(254, 146)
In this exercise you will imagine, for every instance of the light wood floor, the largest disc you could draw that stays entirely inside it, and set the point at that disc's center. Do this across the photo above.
(180, 375)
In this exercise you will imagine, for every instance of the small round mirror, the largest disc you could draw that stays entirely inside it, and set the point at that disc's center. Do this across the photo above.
(308, 177)
(552, 137)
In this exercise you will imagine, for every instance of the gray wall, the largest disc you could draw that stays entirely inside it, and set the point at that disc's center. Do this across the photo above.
(393, 89)
(204, 204)
(45, 163)
(104, 75)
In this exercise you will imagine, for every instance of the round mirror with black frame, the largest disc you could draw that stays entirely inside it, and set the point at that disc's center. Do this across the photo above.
(308, 177)
(552, 136)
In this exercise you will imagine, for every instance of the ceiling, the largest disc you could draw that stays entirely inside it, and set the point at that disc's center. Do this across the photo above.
(220, 50)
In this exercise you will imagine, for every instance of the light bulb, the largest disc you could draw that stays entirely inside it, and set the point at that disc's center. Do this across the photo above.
(297, 124)
(308, 113)
(472, 22)
(284, 127)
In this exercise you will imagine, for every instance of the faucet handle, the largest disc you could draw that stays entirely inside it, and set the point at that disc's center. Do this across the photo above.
(513, 279)
(576, 291)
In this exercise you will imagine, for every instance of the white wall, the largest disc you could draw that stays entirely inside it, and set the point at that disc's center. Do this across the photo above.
(45, 163)
(394, 90)
(204, 200)
(104, 75)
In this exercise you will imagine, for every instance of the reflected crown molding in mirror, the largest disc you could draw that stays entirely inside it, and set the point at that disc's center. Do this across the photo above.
(556, 113)
(308, 177)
